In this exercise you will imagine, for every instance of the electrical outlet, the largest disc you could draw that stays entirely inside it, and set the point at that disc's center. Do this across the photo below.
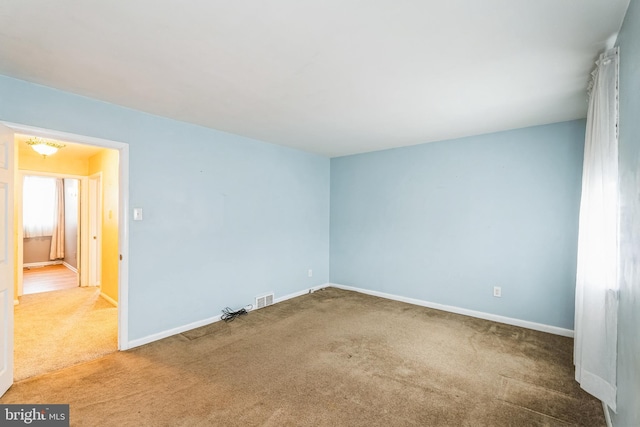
(310, 273)
(497, 291)
(137, 214)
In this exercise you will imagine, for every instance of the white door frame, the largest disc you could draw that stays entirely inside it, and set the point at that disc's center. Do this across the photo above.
(123, 218)
(82, 231)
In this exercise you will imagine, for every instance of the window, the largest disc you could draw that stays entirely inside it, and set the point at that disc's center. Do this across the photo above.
(38, 206)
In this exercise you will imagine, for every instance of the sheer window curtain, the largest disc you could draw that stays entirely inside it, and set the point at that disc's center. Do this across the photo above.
(57, 235)
(595, 346)
(38, 199)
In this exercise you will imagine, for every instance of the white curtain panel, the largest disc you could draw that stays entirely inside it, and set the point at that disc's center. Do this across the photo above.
(38, 199)
(596, 317)
(57, 237)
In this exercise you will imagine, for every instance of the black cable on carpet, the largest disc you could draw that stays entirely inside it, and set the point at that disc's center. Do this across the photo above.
(229, 315)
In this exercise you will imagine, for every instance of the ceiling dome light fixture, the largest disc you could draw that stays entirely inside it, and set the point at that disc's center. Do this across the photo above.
(46, 148)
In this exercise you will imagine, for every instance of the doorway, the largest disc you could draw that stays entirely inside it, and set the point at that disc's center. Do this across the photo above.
(65, 325)
(33, 250)
(119, 277)
(51, 232)
(11, 275)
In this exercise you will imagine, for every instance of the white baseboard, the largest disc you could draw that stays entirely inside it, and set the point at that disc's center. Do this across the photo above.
(607, 415)
(173, 331)
(204, 322)
(41, 264)
(452, 309)
(109, 299)
(70, 267)
(300, 293)
(481, 315)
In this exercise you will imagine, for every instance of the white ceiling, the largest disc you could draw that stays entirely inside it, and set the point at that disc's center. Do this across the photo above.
(333, 77)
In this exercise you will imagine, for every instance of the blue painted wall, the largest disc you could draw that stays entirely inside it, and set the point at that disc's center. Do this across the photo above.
(226, 218)
(628, 403)
(447, 221)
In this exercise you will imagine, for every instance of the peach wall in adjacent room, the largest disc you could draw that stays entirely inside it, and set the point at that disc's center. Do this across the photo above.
(106, 162)
(57, 163)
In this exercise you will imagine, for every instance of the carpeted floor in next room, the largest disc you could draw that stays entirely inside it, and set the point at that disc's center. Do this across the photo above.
(331, 358)
(56, 329)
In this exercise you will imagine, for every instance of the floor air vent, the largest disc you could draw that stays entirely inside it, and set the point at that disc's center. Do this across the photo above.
(264, 300)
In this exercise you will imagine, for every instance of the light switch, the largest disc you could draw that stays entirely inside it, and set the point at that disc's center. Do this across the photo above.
(137, 214)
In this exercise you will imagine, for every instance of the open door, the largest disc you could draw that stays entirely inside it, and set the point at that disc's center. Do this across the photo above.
(95, 229)
(6, 258)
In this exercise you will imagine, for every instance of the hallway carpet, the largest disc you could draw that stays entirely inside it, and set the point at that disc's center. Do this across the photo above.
(57, 329)
(331, 358)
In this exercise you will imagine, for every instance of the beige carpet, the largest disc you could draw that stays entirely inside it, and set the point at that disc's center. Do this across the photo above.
(57, 329)
(331, 358)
